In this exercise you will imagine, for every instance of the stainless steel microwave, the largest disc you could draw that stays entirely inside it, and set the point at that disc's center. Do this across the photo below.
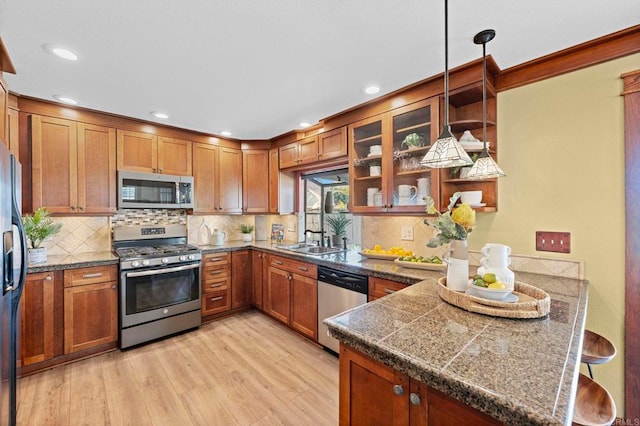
(151, 190)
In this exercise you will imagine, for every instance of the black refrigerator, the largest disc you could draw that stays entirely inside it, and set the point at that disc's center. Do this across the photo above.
(13, 270)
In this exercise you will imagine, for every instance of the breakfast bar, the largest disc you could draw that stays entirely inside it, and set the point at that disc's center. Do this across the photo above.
(513, 371)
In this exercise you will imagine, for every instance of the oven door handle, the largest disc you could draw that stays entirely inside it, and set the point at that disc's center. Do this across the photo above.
(162, 271)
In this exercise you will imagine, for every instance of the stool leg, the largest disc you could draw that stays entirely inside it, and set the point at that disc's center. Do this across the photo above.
(589, 368)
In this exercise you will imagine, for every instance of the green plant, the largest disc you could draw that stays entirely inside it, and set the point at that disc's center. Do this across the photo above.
(413, 140)
(39, 226)
(338, 224)
(246, 229)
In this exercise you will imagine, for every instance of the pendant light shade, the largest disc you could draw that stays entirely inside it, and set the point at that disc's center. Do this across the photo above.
(485, 167)
(446, 151)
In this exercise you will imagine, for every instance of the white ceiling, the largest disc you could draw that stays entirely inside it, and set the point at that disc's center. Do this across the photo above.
(259, 67)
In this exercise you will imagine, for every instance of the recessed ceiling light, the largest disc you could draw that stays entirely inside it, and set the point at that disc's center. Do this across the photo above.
(65, 99)
(158, 114)
(61, 52)
(225, 133)
(371, 90)
(304, 124)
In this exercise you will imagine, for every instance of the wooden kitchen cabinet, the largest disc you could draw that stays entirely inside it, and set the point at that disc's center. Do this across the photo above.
(400, 163)
(259, 272)
(217, 175)
(255, 188)
(281, 186)
(12, 139)
(216, 283)
(90, 307)
(315, 148)
(142, 152)
(73, 166)
(332, 144)
(241, 278)
(37, 317)
(4, 106)
(379, 287)
(292, 294)
(373, 393)
(465, 109)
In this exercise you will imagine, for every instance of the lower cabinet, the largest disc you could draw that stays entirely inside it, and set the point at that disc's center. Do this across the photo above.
(216, 283)
(379, 287)
(292, 294)
(68, 314)
(241, 277)
(90, 307)
(373, 393)
(37, 317)
(259, 271)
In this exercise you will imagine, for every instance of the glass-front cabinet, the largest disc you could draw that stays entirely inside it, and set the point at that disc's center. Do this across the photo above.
(385, 153)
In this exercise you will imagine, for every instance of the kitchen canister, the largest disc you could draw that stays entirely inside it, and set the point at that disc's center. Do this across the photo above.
(218, 237)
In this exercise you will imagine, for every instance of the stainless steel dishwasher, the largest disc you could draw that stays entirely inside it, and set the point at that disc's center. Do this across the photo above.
(337, 292)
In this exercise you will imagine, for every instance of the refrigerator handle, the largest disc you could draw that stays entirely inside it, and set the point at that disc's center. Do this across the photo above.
(16, 220)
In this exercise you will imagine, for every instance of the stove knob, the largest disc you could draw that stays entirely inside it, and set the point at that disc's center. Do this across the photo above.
(135, 263)
(182, 258)
(145, 262)
(165, 260)
(190, 257)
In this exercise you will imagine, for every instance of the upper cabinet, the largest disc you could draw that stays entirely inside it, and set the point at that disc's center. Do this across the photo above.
(217, 172)
(142, 152)
(281, 186)
(255, 188)
(384, 167)
(465, 112)
(73, 166)
(12, 131)
(5, 66)
(320, 147)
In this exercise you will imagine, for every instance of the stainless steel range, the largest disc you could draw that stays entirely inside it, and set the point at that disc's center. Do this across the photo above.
(159, 282)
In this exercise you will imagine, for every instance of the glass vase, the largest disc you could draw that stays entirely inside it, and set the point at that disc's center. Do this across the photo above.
(457, 259)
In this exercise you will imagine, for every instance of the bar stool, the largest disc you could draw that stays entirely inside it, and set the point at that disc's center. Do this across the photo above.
(596, 350)
(594, 405)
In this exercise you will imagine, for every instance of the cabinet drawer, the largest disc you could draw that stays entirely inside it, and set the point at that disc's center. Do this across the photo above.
(215, 259)
(301, 268)
(215, 284)
(216, 271)
(215, 301)
(84, 276)
(379, 287)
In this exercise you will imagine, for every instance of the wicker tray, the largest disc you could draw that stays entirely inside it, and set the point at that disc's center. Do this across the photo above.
(532, 302)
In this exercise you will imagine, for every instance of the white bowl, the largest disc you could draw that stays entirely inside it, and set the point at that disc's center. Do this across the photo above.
(490, 293)
(473, 198)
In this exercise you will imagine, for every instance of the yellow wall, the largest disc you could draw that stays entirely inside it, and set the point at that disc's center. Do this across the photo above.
(561, 143)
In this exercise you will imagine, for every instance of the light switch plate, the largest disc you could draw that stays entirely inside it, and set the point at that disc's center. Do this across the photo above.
(407, 233)
(558, 242)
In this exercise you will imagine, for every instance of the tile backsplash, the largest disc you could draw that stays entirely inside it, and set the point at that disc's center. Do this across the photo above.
(80, 234)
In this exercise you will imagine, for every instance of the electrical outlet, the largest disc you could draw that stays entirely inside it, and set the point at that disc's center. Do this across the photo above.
(558, 242)
(407, 233)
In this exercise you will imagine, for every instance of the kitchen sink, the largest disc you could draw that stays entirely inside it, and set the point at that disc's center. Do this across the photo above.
(312, 249)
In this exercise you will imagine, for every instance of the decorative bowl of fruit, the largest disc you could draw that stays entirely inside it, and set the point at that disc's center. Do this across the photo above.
(434, 263)
(488, 287)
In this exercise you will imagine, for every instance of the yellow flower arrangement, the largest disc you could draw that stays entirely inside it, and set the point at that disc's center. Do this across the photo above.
(452, 224)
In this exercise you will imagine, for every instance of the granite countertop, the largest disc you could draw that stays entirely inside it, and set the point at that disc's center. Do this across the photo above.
(518, 371)
(57, 262)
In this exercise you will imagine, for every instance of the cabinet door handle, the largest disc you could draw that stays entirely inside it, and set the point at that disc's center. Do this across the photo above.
(216, 259)
(161, 170)
(215, 272)
(216, 285)
(81, 208)
(215, 299)
(277, 262)
(389, 291)
(94, 275)
(414, 398)
(113, 286)
(48, 278)
(302, 268)
(398, 390)
(290, 277)
(73, 208)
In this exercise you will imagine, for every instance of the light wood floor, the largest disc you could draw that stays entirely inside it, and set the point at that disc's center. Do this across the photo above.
(243, 370)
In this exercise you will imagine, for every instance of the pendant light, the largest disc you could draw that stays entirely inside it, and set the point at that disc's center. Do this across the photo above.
(446, 151)
(485, 167)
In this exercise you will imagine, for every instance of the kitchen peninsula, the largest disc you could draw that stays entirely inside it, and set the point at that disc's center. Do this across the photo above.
(509, 371)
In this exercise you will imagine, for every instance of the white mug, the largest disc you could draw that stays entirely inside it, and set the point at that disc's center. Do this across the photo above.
(375, 150)
(407, 191)
(372, 191)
